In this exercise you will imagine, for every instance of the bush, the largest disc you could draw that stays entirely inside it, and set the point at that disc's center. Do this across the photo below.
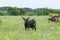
(3, 13)
(50, 14)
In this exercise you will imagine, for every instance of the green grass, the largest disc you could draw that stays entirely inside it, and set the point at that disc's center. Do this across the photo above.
(12, 28)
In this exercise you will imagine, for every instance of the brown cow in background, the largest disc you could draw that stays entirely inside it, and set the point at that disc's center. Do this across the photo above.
(56, 16)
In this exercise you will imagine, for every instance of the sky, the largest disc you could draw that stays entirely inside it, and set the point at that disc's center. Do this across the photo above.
(54, 4)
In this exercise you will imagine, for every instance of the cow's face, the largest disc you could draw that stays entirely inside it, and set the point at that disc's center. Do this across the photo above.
(25, 19)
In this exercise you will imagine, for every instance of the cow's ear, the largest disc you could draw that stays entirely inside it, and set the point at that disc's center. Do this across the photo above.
(23, 18)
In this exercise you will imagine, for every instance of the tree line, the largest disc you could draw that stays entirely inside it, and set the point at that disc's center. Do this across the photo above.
(27, 11)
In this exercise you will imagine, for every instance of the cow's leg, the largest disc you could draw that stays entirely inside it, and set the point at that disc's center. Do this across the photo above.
(25, 28)
(28, 28)
(35, 28)
(32, 28)
(54, 20)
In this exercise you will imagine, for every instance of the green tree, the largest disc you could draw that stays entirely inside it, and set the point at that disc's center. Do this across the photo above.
(16, 11)
(3, 13)
(12, 11)
(41, 11)
(22, 11)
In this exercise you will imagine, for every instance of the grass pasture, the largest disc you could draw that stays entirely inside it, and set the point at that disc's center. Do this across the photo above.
(12, 28)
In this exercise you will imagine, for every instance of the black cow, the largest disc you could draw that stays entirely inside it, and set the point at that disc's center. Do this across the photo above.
(29, 23)
(51, 19)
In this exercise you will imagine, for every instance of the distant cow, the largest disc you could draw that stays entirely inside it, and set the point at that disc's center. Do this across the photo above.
(29, 23)
(51, 19)
(56, 16)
